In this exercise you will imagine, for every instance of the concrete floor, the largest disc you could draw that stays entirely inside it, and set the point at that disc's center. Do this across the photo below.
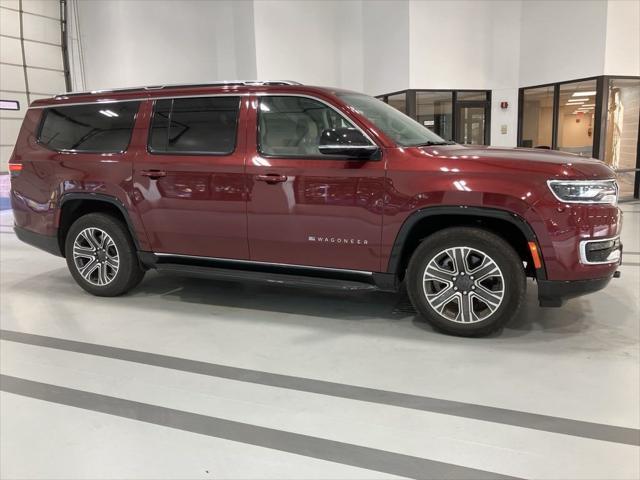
(186, 378)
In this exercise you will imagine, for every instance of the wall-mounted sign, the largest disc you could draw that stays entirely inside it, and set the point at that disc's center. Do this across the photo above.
(9, 105)
(429, 123)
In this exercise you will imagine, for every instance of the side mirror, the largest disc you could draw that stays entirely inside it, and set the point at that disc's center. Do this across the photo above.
(346, 141)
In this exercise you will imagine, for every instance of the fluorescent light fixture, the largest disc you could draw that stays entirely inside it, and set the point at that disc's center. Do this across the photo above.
(589, 105)
(578, 100)
(583, 94)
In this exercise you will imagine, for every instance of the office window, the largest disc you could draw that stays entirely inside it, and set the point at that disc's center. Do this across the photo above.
(537, 117)
(398, 101)
(434, 110)
(291, 126)
(576, 117)
(466, 96)
(204, 125)
(97, 128)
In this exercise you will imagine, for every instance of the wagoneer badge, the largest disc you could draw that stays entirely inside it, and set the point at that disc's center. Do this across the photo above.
(344, 241)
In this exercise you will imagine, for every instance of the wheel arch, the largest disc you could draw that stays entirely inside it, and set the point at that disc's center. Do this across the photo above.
(422, 223)
(75, 205)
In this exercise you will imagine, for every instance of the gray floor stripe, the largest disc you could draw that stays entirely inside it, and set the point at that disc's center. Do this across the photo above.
(535, 421)
(323, 449)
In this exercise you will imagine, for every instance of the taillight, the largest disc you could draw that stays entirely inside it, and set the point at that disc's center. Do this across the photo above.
(15, 169)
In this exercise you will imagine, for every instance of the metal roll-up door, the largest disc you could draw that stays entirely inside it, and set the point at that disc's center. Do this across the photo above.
(31, 62)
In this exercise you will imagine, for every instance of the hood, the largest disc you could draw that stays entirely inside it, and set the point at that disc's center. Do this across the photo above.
(561, 164)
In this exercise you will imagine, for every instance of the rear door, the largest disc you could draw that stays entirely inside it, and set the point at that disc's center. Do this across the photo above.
(306, 208)
(189, 184)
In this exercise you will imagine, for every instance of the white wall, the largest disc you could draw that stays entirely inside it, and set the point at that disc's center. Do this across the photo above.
(136, 42)
(622, 54)
(450, 44)
(562, 40)
(386, 31)
(316, 41)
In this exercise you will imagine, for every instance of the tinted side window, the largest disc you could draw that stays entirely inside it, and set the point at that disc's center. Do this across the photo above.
(205, 125)
(103, 128)
(291, 126)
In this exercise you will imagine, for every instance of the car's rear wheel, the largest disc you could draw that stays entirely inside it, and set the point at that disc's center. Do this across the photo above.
(466, 281)
(101, 255)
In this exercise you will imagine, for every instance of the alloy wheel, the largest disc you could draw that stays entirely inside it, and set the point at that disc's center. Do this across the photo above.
(463, 285)
(96, 257)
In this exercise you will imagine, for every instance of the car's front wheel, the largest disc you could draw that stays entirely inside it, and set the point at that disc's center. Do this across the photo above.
(466, 281)
(101, 255)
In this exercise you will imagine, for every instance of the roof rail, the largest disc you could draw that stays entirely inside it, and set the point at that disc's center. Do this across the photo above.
(180, 85)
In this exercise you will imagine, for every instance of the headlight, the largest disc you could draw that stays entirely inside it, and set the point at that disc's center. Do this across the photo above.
(585, 191)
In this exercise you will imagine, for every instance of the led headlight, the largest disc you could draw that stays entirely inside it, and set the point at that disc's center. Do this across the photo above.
(585, 191)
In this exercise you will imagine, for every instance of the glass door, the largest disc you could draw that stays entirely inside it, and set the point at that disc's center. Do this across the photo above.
(472, 123)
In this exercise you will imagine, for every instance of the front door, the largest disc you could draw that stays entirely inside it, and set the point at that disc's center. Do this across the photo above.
(306, 208)
(189, 186)
(472, 123)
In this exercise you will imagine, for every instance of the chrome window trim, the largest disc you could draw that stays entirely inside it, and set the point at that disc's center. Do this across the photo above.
(583, 182)
(274, 264)
(583, 251)
(347, 147)
(225, 94)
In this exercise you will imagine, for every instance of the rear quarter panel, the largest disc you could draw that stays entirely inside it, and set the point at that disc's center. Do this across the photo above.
(48, 175)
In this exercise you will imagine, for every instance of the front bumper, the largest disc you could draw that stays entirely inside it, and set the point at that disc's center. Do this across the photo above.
(553, 293)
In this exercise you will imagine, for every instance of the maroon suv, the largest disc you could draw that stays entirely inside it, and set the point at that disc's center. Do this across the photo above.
(285, 183)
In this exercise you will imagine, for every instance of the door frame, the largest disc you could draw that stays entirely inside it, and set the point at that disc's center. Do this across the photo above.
(457, 124)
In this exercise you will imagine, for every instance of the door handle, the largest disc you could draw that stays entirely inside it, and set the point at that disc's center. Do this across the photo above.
(153, 173)
(271, 178)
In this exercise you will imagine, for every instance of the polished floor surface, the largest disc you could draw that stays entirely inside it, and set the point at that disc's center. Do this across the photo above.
(187, 378)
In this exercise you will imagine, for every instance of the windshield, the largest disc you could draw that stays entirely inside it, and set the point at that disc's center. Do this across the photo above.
(402, 129)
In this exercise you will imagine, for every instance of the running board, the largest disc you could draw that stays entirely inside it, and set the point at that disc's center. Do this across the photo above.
(266, 277)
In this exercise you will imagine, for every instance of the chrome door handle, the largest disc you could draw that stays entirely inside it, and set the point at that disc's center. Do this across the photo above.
(271, 178)
(153, 173)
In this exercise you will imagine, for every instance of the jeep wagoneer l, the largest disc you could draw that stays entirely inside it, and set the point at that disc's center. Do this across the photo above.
(282, 182)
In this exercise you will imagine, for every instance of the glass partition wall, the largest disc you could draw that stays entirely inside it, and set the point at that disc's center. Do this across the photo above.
(621, 135)
(595, 117)
(459, 115)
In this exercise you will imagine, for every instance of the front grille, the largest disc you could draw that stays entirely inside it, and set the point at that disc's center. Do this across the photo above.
(600, 251)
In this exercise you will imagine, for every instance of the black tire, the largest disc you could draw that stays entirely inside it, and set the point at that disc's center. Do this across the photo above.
(511, 285)
(128, 273)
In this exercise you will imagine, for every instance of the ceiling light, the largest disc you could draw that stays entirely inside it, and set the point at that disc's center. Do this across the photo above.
(589, 105)
(578, 100)
(583, 94)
